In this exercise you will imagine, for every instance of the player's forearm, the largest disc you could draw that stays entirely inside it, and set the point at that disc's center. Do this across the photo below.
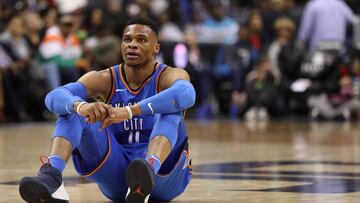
(180, 96)
(61, 100)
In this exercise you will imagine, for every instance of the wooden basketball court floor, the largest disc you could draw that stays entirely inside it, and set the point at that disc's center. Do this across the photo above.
(233, 161)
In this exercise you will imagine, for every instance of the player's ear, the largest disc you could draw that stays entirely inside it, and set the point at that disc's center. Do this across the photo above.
(157, 48)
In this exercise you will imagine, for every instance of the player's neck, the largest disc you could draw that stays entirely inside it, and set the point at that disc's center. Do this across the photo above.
(136, 75)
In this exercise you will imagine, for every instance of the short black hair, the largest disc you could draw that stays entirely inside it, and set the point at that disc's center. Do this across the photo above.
(143, 21)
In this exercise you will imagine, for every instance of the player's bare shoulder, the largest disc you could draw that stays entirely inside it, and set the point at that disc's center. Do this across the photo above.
(97, 83)
(170, 75)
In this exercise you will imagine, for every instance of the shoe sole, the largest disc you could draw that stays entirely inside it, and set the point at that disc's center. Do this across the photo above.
(35, 192)
(140, 182)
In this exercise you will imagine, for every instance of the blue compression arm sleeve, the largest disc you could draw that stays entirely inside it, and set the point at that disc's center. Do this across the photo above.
(180, 96)
(167, 125)
(61, 100)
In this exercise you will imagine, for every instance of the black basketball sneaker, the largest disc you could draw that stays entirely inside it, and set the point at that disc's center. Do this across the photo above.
(141, 180)
(47, 187)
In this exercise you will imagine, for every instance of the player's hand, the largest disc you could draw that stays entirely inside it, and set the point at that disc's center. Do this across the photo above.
(116, 115)
(94, 112)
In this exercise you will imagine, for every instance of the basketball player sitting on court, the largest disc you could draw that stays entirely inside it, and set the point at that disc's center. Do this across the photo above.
(134, 146)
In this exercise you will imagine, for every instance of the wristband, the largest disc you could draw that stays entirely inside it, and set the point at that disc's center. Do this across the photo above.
(78, 107)
(129, 112)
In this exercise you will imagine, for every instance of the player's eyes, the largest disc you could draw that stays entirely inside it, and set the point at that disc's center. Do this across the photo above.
(128, 40)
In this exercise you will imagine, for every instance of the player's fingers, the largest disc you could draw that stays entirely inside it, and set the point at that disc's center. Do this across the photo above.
(108, 123)
(91, 116)
(111, 112)
(97, 112)
(103, 112)
(105, 123)
(107, 107)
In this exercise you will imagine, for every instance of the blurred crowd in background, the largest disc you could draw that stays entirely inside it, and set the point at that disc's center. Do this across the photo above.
(248, 59)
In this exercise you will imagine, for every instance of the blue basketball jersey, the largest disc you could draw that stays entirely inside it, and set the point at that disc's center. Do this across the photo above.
(134, 134)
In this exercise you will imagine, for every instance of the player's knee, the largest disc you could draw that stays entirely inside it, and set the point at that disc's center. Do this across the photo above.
(61, 101)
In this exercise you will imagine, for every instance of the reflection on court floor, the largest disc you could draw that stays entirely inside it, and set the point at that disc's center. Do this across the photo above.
(232, 162)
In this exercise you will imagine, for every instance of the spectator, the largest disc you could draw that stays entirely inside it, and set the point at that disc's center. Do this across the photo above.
(222, 28)
(217, 27)
(218, 50)
(199, 66)
(50, 17)
(33, 24)
(116, 15)
(256, 35)
(13, 36)
(242, 61)
(140, 8)
(60, 51)
(15, 75)
(169, 31)
(286, 56)
(194, 28)
(5, 13)
(103, 49)
(278, 9)
(263, 96)
(324, 21)
(285, 29)
(5, 63)
(94, 19)
(346, 101)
